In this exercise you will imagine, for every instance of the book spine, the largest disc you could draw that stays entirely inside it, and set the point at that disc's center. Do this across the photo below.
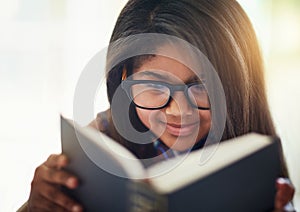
(142, 198)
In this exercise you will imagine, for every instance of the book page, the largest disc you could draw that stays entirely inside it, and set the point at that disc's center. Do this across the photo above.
(189, 169)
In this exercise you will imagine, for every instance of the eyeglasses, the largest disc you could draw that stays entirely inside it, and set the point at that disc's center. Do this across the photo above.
(153, 95)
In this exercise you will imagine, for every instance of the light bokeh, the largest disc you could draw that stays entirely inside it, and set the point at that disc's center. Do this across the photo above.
(44, 45)
(278, 29)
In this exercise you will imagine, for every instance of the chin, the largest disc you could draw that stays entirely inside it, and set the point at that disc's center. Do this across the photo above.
(180, 146)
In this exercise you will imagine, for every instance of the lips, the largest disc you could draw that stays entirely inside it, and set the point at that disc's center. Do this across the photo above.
(181, 129)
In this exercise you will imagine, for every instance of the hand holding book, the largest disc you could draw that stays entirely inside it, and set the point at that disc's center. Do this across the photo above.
(45, 187)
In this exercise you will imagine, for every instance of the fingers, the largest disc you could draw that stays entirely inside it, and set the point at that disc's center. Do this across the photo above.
(51, 198)
(285, 192)
(53, 194)
(46, 194)
(51, 172)
(46, 205)
(56, 176)
(56, 161)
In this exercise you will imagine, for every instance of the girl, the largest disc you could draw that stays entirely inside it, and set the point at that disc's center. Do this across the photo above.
(180, 116)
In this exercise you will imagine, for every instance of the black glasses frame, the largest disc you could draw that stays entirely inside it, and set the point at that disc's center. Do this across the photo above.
(127, 84)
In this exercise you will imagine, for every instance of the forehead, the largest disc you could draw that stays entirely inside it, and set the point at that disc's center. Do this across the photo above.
(169, 69)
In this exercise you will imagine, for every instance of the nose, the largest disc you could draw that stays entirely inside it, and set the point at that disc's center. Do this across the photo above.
(179, 105)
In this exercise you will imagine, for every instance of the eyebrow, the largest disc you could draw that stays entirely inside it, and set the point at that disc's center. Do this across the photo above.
(166, 78)
(154, 74)
(194, 79)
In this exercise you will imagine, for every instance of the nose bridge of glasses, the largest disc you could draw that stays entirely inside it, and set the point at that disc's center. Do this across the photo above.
(179, 96)
(175, 88)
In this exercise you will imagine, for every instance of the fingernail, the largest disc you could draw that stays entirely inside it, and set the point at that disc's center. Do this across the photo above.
(71, 182)
(76, 208)
(62, 159)
(281, 180)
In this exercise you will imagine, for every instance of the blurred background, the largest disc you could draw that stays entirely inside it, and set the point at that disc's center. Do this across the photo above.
(44, 46)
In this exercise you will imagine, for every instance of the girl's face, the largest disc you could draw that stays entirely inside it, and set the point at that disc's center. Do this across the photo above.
(178, 125)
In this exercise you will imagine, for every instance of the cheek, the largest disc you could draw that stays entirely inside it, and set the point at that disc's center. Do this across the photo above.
(205, 122)
(144, 116)
(150, 118)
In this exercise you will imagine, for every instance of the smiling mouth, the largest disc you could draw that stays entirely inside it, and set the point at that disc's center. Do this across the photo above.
(181, 129)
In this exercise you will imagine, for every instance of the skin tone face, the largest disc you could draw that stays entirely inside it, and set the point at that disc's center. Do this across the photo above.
(178, 125)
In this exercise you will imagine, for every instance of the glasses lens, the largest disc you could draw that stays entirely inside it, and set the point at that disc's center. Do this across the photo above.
(150, 95)
(198, 96)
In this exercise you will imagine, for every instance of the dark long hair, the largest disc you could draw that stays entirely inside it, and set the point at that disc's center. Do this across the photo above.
(220, 30)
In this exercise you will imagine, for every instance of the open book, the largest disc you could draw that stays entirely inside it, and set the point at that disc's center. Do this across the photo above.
(240, 176)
